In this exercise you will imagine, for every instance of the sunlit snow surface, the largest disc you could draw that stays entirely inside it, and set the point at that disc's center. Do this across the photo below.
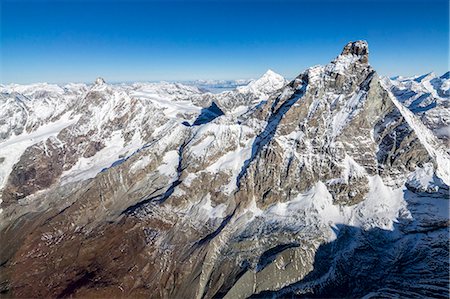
(39, 111)
(428, 97)
(382, 208)
(428, 140)
(13, 148)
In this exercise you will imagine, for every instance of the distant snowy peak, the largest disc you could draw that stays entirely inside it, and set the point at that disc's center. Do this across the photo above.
(43, 91)
(415, 79)
(99, 81)
(268, 83)
(426, 77)
(445, 76)
(430, 85)
(428, 97)
(166, 89)
(30, 90)
(217, 86)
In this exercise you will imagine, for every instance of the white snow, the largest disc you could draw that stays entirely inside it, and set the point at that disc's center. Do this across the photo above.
(13, 148)
(114, 150)
(187, 181)
(232, 163)
(212, 212)
(169, 164)
(428, 97)
(268, 83)
(341, 64)
(140, 164)
(443, 132)
(351, 169)
(315, 73)
(170, 108)
(427, 139)
(201, 148)
(423, 179)
(203, 211)
(87, 168)
(253, 208)
(345, 115)
(381, 209)
(382, 206)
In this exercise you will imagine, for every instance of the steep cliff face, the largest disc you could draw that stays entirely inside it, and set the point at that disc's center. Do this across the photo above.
(324, 186)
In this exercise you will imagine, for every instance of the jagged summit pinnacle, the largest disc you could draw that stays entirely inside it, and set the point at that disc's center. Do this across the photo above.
(99, 81)
(357, 48)
(353, 60)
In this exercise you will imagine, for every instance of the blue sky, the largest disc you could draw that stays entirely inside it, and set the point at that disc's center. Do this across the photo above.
(65, 41)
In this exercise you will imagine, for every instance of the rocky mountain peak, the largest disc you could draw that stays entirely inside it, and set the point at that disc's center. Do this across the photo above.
(355, 52)
(349, 69)
(360, 48)
(99, 81)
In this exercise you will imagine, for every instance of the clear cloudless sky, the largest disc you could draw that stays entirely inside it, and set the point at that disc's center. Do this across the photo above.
(76, 41)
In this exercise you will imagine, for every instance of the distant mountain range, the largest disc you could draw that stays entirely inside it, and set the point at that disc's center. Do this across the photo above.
(218, 85)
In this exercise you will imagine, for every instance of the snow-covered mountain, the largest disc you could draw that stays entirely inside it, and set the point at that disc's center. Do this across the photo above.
(427, 96)
(331, 185)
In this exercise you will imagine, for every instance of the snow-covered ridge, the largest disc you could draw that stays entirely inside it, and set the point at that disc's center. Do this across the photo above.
(428, 140)
(428, 97)
(118, 118)
(268, 83)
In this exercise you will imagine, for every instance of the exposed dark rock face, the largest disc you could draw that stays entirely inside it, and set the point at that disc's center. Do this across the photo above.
(36, 170)
(358, 48)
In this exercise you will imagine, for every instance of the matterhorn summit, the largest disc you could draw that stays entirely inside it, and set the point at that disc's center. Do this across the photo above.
(358, 48)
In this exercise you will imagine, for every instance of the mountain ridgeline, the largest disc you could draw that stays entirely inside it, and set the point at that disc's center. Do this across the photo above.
(335, 184)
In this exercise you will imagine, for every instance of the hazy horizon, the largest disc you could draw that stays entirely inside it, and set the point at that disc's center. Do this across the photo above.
(131, 41)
